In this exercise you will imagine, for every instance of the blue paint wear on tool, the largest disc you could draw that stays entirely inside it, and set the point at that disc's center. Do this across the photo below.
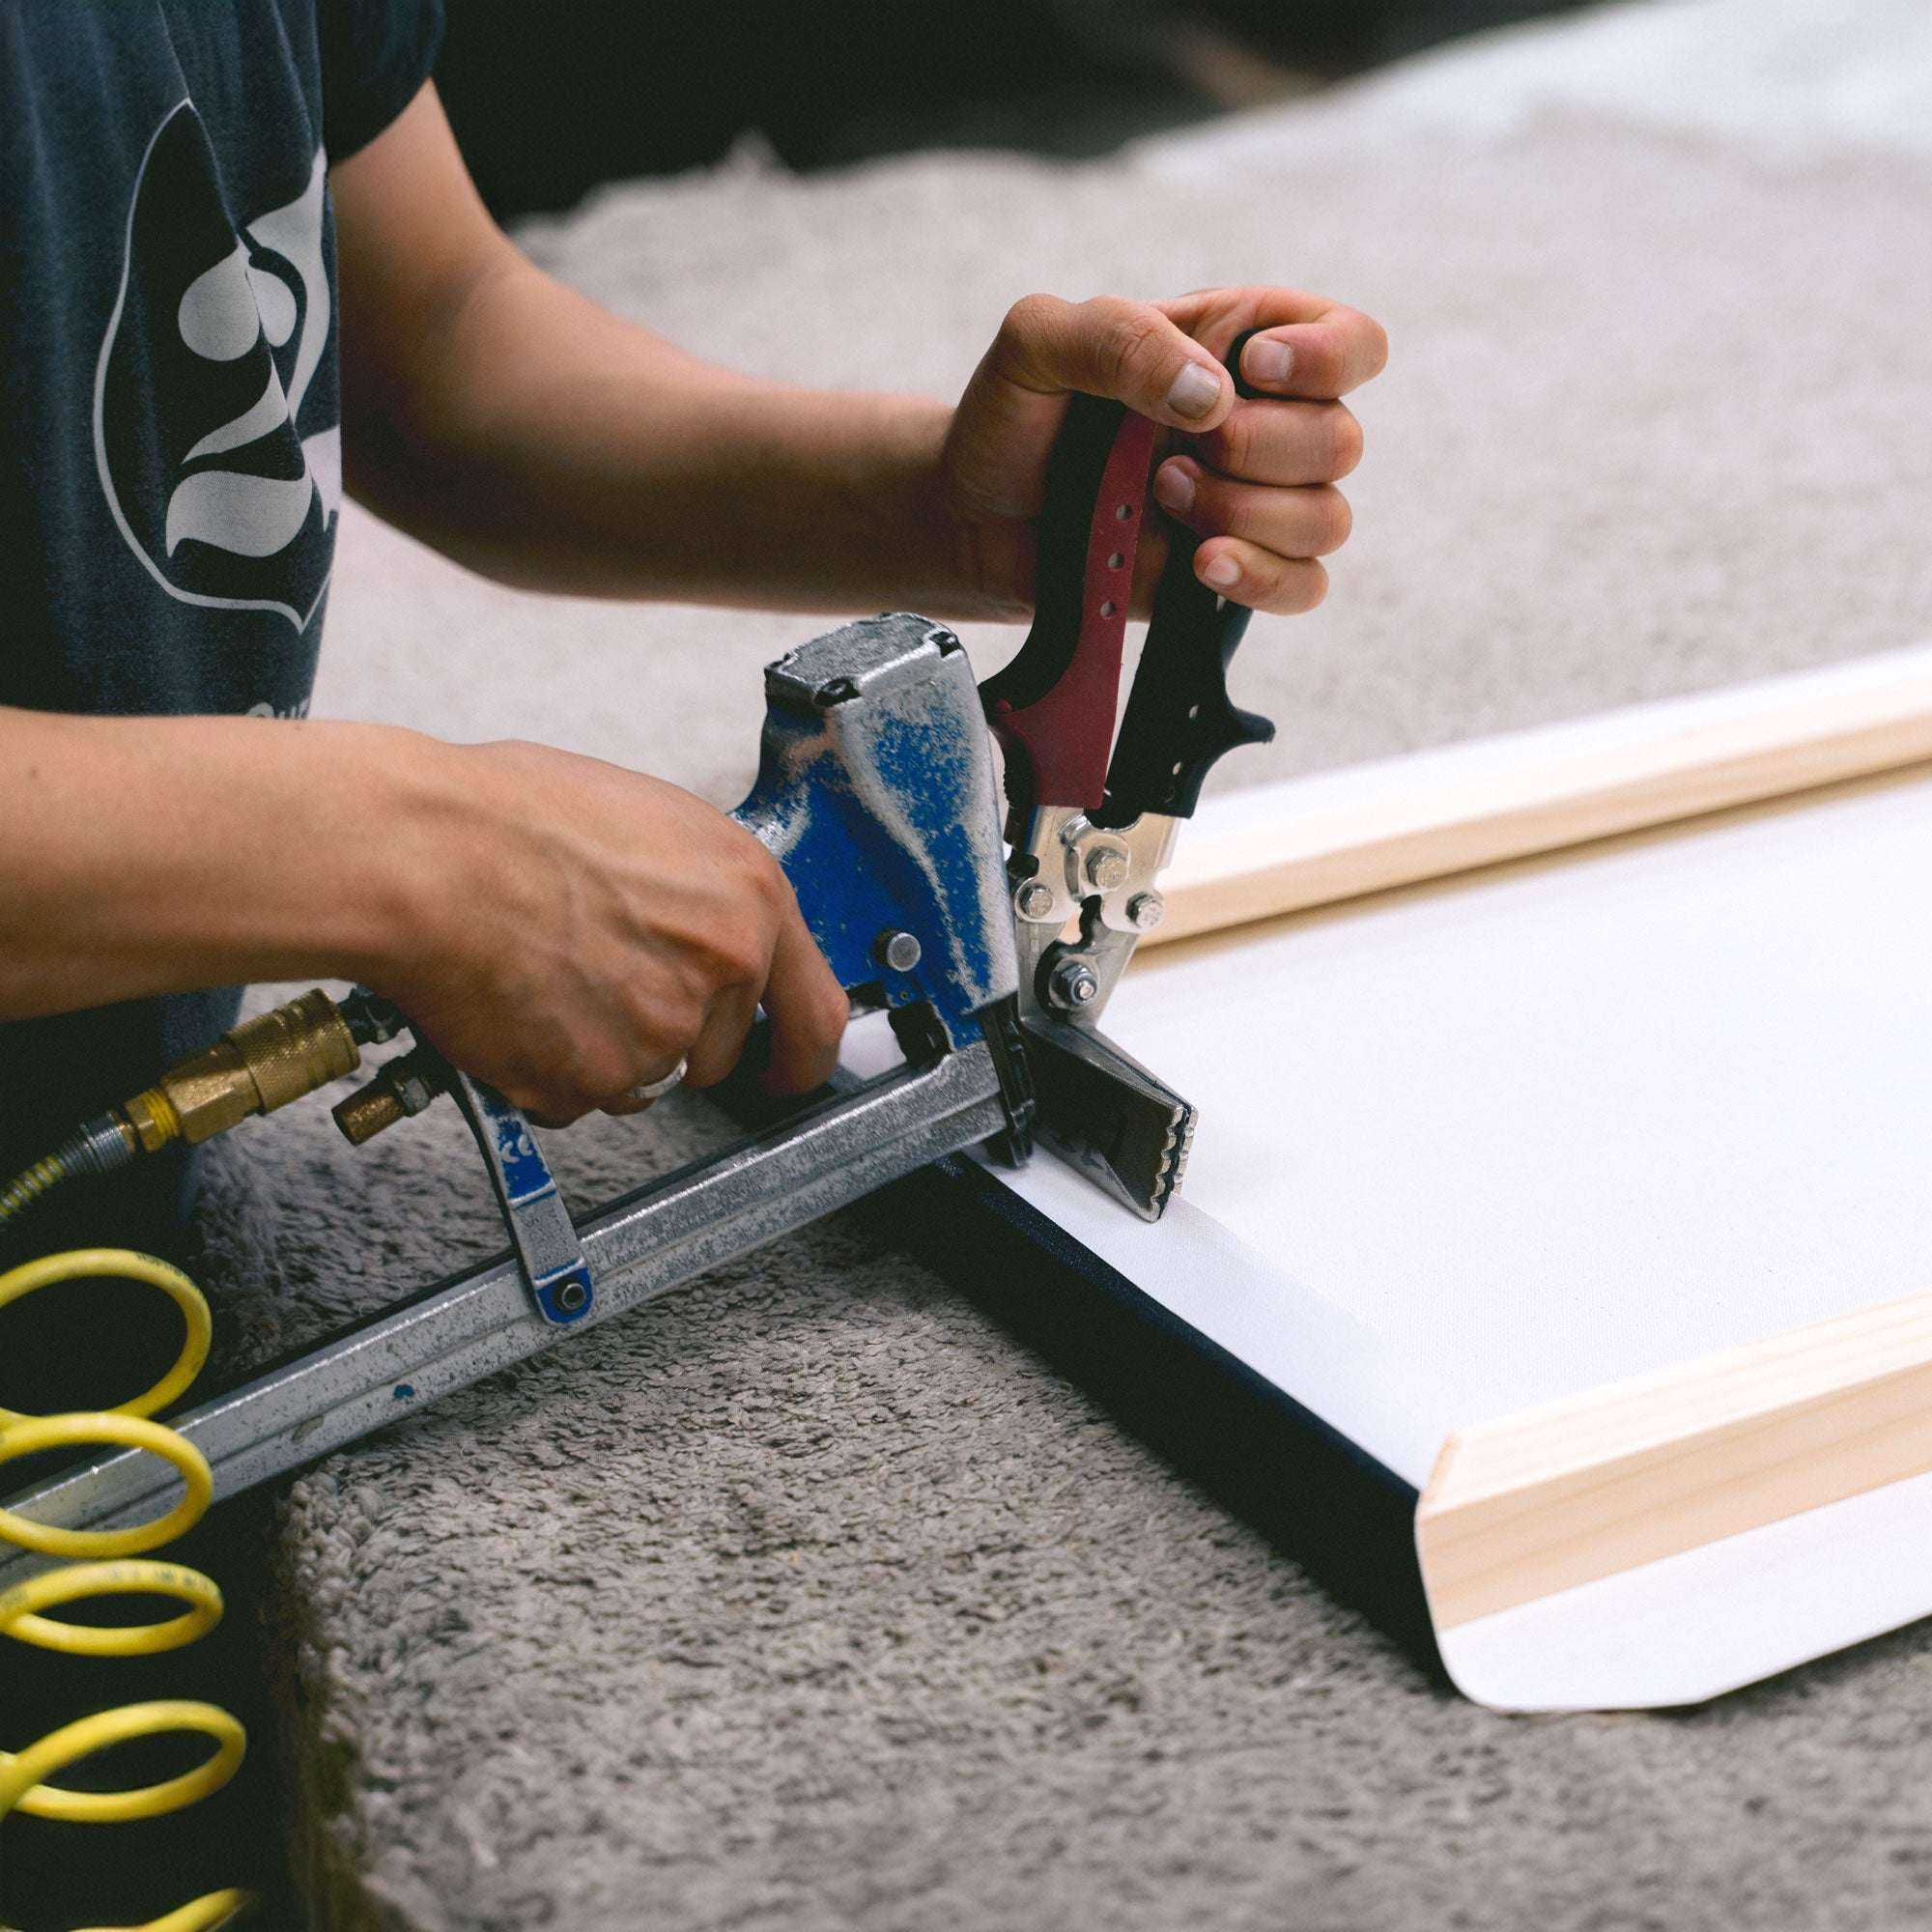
(875, 792)
(540, 1226)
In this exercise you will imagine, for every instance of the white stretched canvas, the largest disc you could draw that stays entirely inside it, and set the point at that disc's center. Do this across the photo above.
(1481, 1145)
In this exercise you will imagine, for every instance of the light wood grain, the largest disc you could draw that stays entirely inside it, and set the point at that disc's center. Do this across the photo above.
(1561, 1496)
(1787, 735)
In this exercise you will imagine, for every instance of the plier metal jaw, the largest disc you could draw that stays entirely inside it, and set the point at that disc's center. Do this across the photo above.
(1094, 820)
(1107, 882)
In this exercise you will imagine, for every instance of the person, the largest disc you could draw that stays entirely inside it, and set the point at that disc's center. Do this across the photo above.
(246, 271)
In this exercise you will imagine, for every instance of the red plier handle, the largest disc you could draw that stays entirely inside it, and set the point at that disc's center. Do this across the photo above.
(1053, 708)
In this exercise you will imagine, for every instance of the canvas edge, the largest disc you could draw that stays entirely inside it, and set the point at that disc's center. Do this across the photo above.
(1838, 1464)
(1546, 1532)
(1708, 1620)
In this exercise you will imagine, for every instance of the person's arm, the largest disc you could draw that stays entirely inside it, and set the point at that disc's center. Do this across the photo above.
(526, 431)
(559, 926)
(563, 929)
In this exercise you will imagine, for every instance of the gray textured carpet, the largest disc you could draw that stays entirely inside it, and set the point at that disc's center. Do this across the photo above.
(809, 1599)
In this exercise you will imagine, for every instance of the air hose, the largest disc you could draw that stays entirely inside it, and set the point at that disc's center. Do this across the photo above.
(254, 1068)
(112, 1563)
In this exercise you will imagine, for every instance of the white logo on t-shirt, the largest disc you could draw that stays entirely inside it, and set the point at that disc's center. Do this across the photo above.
(221, 486)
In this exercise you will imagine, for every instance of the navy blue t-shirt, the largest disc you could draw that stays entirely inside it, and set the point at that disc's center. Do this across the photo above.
(170, 443)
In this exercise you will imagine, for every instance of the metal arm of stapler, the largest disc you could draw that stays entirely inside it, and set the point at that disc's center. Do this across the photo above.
(875, 794)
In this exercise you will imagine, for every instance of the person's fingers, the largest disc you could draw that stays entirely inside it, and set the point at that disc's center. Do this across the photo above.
(604, 1081)
(721, 1038)
(1245, 572)
(1111, 347)
(1310, 521)
(1305, 345)
(1324, 358)
(1216, 316)
(1288, 441)
(808, 1009)
(557, 1092)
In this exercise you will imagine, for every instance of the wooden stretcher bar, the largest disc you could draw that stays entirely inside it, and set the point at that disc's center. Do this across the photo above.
(1649, 765)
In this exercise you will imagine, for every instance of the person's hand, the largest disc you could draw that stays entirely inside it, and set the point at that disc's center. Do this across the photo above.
(1254, 479)
(575, 930)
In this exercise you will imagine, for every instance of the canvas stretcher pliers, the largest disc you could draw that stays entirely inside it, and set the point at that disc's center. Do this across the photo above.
(1093, 820)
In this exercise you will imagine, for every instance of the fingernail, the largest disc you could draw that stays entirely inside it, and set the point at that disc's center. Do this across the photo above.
(1174, 489)
(1194, 391)
(1268, 359)
(1222, 572)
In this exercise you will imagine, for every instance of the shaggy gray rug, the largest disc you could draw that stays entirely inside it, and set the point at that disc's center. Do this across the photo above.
(809, 1599)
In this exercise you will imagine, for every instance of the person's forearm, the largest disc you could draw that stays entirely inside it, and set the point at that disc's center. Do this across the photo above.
(555, 447)
(564, 929)
(156, 854)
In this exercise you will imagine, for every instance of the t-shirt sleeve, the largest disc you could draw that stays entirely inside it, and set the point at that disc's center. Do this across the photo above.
(374, 55)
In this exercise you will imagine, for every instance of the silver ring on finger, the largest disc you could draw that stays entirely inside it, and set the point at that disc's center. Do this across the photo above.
(656, 1090)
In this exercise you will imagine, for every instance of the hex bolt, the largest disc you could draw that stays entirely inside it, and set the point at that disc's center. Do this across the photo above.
(897, 949)
(1034, 900)
(1106, 869)
(1146, 911)
(1073, 984)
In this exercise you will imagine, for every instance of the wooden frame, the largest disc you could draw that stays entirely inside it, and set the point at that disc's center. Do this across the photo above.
(1246, 858)
(1666, 1537)
(1563, 1495)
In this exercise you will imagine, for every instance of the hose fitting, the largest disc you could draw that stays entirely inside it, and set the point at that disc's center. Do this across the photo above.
(255, 1068)
(98, 1145)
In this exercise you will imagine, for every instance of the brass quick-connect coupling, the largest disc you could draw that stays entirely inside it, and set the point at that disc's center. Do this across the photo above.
(257, 1066)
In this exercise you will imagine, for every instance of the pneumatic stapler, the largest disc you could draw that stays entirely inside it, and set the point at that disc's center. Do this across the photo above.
(992, 948)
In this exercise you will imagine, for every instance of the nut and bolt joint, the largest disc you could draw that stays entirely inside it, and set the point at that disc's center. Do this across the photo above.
(1073, 983)
(401, 1090)
(1034, 900)
(1106, 869)
(1146, 911)
(896, 949)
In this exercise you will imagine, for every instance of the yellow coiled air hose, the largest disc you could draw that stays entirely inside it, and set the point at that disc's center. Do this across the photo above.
(105, 1568)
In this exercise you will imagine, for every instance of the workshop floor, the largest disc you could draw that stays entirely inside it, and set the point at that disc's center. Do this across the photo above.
(810, 1599)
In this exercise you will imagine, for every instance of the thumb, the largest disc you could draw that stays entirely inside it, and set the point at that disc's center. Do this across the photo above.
(1126, 350)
